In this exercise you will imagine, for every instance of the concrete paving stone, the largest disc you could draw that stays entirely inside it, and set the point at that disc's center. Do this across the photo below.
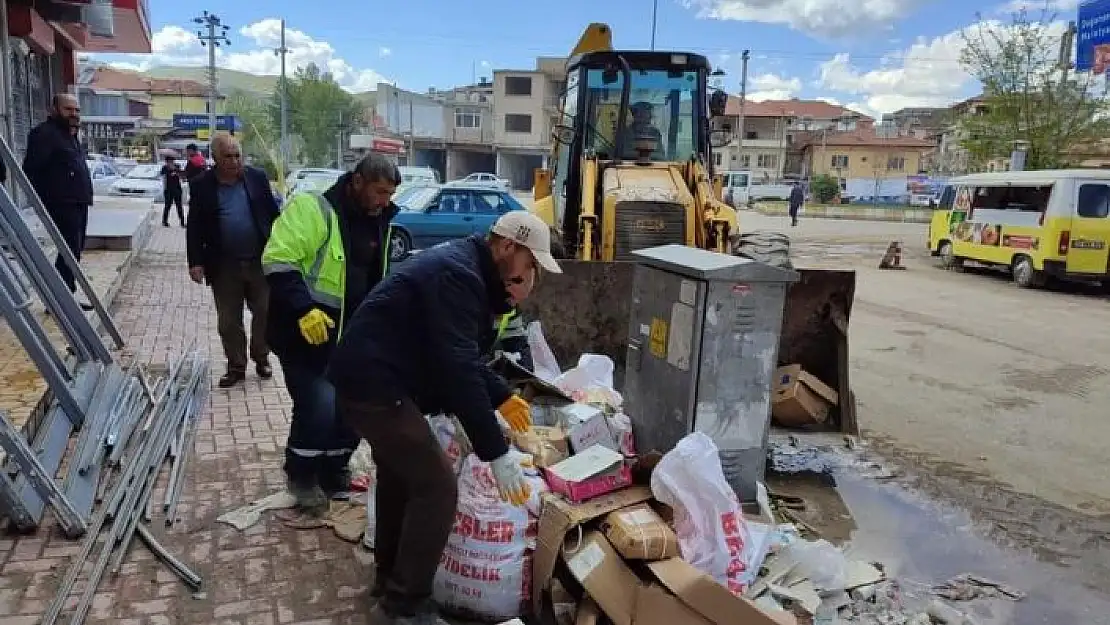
(268, 575)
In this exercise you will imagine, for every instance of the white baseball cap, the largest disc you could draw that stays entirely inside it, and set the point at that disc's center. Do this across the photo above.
(524, 228)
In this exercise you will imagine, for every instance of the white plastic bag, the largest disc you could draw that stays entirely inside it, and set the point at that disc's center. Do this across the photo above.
(544, 364)
(713, 536)
(451, 438)
(591, 381)
(371, 508)
(486, 569)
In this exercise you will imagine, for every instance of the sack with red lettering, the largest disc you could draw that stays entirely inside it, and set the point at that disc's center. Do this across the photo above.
(485, 572)
(451, 438)
(712, 534)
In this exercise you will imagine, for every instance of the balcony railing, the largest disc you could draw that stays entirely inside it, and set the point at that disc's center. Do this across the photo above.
(483, 135)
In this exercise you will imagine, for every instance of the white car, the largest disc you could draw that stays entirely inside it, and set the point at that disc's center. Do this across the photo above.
(418, 175)
(103, 174)
(144, 181)
(483, 180)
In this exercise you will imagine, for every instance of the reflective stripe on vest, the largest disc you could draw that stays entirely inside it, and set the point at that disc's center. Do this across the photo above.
(503, 325)
(313, 275)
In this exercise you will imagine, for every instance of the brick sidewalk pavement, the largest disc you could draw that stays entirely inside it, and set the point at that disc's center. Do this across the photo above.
(268, 574)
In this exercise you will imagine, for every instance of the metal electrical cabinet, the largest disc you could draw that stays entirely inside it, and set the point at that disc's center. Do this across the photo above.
(702, 351)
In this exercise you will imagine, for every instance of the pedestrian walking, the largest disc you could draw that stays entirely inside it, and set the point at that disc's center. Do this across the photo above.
(797, 198)
(231, 212)
(195, 163)
(55, 165)
(172, 191)
(325, 253)
(417, 346)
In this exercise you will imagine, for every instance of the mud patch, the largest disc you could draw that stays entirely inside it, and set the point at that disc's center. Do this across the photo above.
(925, 533)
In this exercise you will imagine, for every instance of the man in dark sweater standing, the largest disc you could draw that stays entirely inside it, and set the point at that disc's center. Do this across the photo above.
(416, 346)
(231, 211)
(55, 165)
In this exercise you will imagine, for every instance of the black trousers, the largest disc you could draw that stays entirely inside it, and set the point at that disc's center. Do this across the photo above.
(72, 221)
(320, 444)
(172, 196)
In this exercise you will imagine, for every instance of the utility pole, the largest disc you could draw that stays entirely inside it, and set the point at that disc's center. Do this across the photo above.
(283, 95)
(743, 97)
(339, 143)
(215, 37)
(654, 13)
(412, 137)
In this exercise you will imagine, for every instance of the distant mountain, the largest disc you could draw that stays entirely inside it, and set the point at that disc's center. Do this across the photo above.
(231, 80)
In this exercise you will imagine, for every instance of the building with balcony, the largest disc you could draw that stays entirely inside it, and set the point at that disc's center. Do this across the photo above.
(468, 116)
(173, 96)
(114, 105)
(40, 41)
(525, 109)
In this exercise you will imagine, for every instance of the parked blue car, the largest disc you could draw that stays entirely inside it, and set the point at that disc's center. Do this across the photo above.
(435, 214)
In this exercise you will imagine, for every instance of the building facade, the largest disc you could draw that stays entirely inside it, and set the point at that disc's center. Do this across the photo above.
(525, 109)
(867, 164)
(170, 96)
(114, 106)
(768, 136)
(39, 43)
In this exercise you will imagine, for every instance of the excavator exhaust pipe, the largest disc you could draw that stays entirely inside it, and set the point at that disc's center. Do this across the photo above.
(586, 309)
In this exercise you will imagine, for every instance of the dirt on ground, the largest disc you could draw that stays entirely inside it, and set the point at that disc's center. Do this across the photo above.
(994, 398)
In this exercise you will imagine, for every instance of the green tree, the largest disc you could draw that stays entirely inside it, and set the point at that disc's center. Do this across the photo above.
(259, 137)
(1027, 95)
(824, 188)
(319, 109)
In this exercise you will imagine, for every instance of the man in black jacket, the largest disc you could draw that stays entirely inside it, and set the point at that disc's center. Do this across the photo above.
(347, 229)
(55, 165)
(231, 211)
(416, 346)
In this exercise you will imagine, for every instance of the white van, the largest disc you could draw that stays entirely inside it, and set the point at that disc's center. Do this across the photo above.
(410, 175)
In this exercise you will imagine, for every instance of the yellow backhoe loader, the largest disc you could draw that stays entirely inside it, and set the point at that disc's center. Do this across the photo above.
(633, 169)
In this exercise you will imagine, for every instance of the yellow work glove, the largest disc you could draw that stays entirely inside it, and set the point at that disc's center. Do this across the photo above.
(517, 413)
(509, 476)
(314, 326)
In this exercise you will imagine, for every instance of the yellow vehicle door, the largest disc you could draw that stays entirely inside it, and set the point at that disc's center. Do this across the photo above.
(1089, 238)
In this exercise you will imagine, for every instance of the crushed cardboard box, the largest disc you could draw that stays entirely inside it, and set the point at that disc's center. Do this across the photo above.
(639, 533)
(675, 592)
(547, 445)
(800, 399)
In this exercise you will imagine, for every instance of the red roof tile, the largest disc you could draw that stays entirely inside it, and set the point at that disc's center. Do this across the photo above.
(867, 137)
(174, 86)
(112, 79)
(815, 109)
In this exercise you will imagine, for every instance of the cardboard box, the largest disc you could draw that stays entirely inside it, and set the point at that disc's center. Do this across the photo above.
(547, 445)
(586, 426)
(639, 533)
(558, 518)
(678, 593)
(594, 472)
(799, 398)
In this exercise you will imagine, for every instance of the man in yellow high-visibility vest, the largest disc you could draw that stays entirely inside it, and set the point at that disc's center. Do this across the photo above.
(326, 252)
(510, 331)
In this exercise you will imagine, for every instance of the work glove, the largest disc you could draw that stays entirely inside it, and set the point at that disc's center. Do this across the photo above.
(509, 476)
(517, 413)
(314, 326)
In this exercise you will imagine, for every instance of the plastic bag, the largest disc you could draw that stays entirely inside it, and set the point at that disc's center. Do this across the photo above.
(713, 536)
(820, 562)
(486, 568)
(591, 381)
(544, 363)
(451, 438)
(371, 509)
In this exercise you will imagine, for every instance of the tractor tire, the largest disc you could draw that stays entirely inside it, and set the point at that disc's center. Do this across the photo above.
(771, 248)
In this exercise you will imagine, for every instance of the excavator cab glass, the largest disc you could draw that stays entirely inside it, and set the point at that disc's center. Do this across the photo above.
(662, 106)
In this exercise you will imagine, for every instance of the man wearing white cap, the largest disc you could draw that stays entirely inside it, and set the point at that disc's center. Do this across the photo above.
(416, 346)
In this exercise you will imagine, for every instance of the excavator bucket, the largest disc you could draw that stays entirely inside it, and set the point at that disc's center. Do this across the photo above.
(586, 309)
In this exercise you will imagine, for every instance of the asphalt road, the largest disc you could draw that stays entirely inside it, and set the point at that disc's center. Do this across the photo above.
(969, 374)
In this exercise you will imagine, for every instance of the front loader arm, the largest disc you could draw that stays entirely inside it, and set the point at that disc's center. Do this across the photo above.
(718, 218)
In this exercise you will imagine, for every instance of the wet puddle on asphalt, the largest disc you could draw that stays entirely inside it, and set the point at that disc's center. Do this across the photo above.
(923, 542)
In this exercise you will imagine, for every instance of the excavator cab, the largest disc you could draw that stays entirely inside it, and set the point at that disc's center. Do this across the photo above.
(645, 111)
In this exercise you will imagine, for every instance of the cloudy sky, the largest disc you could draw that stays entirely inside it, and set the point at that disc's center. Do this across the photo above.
(874, 55)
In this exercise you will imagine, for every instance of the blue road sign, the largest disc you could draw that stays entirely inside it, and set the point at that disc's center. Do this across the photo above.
(1093, 32)
(197, 121)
